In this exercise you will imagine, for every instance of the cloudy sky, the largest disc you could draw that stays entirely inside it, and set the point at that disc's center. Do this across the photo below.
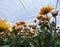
(14, 10)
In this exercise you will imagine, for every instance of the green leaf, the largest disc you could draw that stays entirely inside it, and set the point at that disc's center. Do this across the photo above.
(5, 46)
(57, 38)
(42, 27)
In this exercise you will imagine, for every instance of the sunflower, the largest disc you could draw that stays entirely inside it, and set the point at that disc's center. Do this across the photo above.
(39, 16)
(45, 9)
(20, 22)
(4, 25)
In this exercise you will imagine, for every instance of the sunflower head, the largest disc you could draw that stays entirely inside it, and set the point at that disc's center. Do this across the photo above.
(18, 22)
(21, 22)
(4, 25)
(45, 9)
(39, 16)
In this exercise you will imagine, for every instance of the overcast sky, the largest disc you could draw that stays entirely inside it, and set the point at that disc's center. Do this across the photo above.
(14, 10)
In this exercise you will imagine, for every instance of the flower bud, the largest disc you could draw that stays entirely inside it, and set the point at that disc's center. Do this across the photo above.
(54, 13)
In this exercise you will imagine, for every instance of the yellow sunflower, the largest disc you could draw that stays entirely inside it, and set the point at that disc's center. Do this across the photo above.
(45, 9)
(4, 25)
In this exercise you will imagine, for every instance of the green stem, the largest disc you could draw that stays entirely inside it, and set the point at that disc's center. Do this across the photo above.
(51, 30)
(55, 32)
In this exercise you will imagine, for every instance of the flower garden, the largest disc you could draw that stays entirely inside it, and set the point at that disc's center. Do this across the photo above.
(41, 33)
